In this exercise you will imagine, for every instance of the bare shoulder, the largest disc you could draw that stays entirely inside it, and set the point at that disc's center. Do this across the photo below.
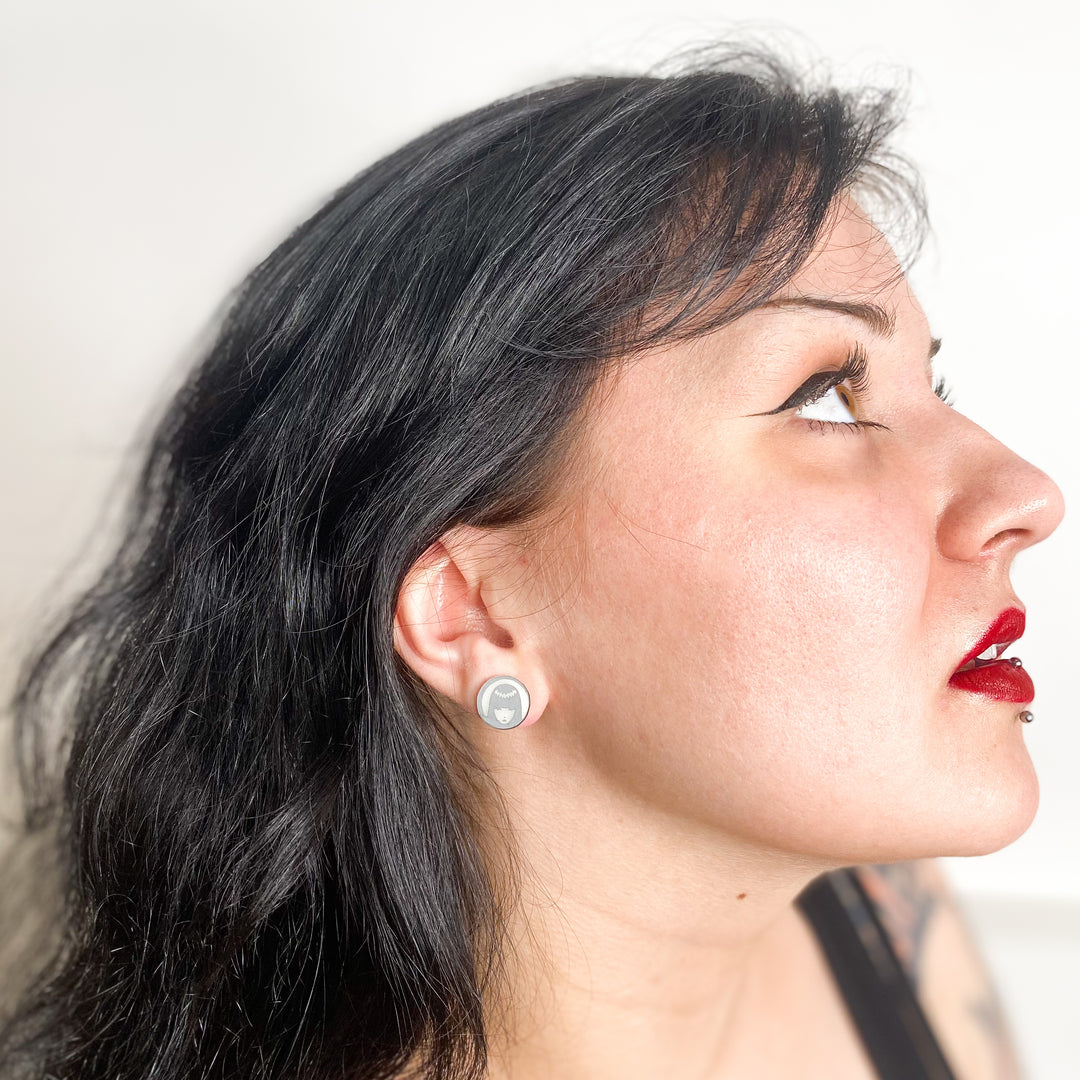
(930, 935)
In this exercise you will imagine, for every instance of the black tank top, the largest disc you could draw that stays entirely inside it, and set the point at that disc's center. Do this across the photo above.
(879, 995)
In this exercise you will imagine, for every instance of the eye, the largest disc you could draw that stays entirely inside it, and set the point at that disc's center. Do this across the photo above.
(836, 405)
(828, 401)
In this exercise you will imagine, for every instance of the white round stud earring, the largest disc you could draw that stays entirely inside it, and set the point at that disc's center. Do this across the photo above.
(503, 702)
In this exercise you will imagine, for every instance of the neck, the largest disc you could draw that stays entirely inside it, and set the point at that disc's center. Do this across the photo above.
(640, 944)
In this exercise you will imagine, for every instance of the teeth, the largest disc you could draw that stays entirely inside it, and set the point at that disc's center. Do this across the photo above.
(992, 653)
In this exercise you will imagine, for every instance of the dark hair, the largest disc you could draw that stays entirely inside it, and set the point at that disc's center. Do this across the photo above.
(270, 863)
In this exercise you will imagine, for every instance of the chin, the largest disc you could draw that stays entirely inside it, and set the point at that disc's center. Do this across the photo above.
(962, 817)
(998, 818)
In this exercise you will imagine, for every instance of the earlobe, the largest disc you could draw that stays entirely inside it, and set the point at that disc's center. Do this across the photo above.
(444, 631)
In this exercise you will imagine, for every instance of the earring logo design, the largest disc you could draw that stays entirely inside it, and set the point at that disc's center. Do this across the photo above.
(503, 702)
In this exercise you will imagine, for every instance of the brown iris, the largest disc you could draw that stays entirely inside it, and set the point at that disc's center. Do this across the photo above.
(847, 398)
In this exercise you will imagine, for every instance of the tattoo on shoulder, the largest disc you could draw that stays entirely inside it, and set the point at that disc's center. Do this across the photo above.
(905, 900)
(987, 1013)
(906, 897)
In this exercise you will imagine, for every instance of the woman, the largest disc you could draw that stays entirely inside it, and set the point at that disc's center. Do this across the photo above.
(535, 647)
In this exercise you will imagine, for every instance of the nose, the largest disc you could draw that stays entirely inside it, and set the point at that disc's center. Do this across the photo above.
(997, 503)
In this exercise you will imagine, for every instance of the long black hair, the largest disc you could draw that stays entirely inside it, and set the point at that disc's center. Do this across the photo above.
(266, 828)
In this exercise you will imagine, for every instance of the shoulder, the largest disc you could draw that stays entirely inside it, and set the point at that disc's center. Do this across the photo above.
(930, 935)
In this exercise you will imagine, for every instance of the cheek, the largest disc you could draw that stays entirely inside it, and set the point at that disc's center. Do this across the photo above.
(814, 685)
(806, 607)
(746, 638)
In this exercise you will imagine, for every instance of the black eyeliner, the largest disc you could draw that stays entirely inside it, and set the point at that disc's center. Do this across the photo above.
(856, 369)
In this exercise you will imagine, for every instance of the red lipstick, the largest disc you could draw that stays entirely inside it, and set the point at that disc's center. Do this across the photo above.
(1002, 680)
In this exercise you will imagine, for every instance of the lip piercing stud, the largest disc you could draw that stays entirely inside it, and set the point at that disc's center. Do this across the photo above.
(1027, 717)
(1015, 661)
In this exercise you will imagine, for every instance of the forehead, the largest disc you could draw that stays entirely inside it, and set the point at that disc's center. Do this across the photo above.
(852, 259)
(852, 262)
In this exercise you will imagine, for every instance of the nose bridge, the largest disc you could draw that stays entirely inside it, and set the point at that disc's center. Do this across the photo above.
(994, 498)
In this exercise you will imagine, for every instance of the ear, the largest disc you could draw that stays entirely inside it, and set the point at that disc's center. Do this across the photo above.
(457, 621)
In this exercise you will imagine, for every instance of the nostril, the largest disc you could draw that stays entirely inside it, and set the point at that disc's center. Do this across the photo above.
(1005, 538)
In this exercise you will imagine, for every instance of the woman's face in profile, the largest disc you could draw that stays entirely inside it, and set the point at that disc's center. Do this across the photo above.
(771, 603)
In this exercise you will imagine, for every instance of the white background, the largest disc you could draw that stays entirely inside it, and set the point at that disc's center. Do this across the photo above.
(153, 152)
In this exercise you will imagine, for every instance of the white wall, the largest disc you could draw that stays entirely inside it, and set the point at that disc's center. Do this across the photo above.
(154, 151)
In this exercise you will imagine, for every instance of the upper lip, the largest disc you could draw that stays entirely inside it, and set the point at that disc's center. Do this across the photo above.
(1004, 630)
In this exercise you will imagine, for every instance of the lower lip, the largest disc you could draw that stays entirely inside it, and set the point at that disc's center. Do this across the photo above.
(1001, 680)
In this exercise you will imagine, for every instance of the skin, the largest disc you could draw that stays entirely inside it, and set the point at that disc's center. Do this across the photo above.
(737, 639)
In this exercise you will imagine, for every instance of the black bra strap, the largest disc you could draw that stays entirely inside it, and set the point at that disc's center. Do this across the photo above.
(893, 1027)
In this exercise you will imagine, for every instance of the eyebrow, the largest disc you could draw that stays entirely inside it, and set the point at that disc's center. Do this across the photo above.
(880, 320)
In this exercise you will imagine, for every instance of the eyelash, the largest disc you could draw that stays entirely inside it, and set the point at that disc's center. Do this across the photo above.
(856, 370)
(943, 390)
